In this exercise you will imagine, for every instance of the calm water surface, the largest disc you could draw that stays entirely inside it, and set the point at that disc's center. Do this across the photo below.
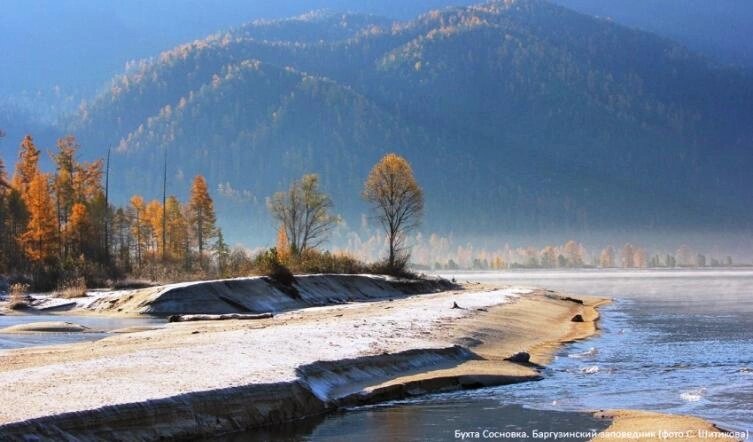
(100, 327)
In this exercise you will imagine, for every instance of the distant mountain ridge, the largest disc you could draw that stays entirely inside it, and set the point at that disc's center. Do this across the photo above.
(517, 115)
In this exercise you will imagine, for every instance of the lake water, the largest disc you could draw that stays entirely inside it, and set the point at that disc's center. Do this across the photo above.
(673, 341)
(100, 327)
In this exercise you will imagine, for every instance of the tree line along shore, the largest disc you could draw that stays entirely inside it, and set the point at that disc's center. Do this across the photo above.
(60, 231)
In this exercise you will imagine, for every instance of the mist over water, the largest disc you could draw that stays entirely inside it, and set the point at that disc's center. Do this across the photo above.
(673, 341)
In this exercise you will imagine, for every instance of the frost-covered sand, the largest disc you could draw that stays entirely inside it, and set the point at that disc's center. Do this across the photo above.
(203, 356)
(207, 378)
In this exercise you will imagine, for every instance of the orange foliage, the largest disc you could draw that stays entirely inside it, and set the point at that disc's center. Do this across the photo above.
(40, 238)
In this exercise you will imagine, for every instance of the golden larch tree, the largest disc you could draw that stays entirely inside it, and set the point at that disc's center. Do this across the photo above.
(76, 233)
(606, 259)
(40, 237)
(153, 216)
(177, 229)
(628, 256)
(573, 253)
(27, 166)
(640, 259)
(283, 244)
(139, 227)
(202, 218)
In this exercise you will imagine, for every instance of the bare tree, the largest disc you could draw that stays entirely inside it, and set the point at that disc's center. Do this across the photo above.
(304, 212)
(399, 202)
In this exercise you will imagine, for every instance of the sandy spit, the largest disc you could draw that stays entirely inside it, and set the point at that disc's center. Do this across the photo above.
(636, 425)
(209, 378)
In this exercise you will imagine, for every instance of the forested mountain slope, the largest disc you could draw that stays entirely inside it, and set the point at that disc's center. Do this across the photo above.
(517, 116)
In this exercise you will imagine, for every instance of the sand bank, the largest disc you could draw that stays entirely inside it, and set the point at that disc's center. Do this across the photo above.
(46, 327)
(207, 378)
(634, 425)
(257, 294)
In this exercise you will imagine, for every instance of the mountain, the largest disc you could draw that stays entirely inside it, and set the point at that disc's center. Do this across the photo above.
(518, 116)
(91, 40)
(57, 52)
(715, 28)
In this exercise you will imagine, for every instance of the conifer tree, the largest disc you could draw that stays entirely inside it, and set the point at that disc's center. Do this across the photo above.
(40, 237)
(27, 166)
(283, 245)
(202, 218)
(138, 227)
(64, 163)
(76, 233)
(122, 238)
(222, 252)
(153, 215)
(177, 229)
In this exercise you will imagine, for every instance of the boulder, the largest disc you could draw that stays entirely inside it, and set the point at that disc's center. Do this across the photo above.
(520, 358)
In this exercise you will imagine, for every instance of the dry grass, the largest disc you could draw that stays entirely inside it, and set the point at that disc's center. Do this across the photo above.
(19, 298)
(74, 288)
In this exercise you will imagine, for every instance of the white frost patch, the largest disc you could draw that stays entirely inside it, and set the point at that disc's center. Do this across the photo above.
(48, 301)
(173, 362)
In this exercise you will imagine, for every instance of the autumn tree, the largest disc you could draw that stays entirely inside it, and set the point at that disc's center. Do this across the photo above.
(122, 238)
(606, 259)
(15, 220)
(27, 166)
(202, 218)
(628, 256)
(498, 263)
(153, 214)
(398, 201)
(283, 245)
(176, 236)
(304, 212)
(549, 257)
(640, 259)
(63, 181)
(4, 215)
(139, 227)
(573, 252)
(40, 237)
(76, 233)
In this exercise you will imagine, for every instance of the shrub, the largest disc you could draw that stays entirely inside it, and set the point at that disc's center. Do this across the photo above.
(268, 263)
(314, 261)
(398, 271)
(73, 288)
(281, 274)
(129, 284)
(19, 297)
